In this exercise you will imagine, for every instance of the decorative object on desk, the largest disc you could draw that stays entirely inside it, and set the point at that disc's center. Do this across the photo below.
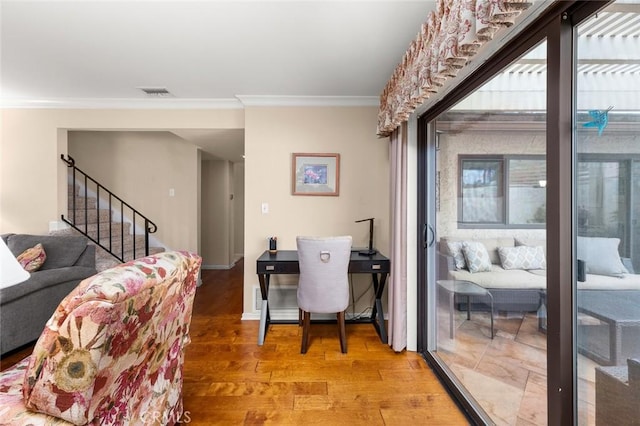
(370, 251)
(315, 174)
(273, 245)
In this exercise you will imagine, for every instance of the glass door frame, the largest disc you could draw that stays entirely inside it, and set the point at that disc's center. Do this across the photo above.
(557, 24)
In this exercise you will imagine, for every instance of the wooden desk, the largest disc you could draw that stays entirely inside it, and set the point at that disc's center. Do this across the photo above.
(286, 262)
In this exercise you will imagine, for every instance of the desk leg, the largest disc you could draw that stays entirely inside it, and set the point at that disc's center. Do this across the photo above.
(264, 309)
(377, 315)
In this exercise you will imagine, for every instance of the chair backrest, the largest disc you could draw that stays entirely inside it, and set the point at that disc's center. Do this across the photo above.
(323, 286)
(114, 348)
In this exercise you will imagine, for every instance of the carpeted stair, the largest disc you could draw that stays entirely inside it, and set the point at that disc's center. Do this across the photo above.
(90, 220)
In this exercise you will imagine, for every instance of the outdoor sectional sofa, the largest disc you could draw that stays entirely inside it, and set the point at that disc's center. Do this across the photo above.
(523, 288)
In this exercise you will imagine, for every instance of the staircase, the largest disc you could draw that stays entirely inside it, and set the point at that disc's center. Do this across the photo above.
(114, 235)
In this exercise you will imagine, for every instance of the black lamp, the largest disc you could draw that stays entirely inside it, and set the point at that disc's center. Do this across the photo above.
(371, 250)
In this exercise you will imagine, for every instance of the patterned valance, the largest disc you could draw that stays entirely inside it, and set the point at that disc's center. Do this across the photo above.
(452, 34)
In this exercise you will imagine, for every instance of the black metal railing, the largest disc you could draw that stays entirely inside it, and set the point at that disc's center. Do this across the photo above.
(107, 242)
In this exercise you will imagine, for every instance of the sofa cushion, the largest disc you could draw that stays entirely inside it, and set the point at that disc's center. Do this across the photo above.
(41, 279)
(533, 242)
(491, 244)
(476, 256)
(62, 250)
(498, 277)
(522, 257)
(601, 256)
(32, 258)
(455, 249)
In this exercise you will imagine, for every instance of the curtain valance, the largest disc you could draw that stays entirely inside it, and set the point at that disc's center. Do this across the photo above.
(452, 34)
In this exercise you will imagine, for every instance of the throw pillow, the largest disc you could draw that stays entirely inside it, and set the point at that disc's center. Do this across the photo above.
(601, 256)
(455, 249)
(476, 256)
(32, 258)
(522, 257)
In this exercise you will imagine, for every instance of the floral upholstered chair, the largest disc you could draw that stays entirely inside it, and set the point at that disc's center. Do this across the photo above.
(113, 351)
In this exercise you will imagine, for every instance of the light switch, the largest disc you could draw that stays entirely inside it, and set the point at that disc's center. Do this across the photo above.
(265, 208)
(172, 192)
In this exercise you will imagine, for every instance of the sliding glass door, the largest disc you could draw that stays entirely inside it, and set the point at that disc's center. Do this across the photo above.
(529, 273)
(607, 205)
(488, 280)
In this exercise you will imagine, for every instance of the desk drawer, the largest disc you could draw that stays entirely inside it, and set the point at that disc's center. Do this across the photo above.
(373, 267)
(278, 268)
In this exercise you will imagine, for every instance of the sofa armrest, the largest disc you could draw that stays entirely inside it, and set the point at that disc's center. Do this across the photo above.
(88, 257)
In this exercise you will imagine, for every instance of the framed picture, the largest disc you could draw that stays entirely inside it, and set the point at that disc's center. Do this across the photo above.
(315, 174)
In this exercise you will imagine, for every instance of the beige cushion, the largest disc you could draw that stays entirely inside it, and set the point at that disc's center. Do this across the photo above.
(501, 278)
(476, 256)
(522, 257)
(491, 244)
(604, 282)
(533, 242)
(455, 250)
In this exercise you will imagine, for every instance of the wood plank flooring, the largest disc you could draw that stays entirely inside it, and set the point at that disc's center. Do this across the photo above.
(230, 380)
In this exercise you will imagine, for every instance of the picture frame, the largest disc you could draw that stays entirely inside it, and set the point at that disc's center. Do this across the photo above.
(315, 174)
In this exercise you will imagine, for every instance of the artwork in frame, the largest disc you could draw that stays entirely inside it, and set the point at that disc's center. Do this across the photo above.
(315, 174)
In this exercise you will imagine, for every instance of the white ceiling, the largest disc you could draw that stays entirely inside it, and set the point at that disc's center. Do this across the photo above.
(208, 54)
(204, 51)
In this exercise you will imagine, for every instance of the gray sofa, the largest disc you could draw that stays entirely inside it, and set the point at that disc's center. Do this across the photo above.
(26, 307)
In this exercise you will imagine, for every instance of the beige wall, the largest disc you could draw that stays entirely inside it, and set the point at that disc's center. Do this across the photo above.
(216, 224)
(32, 141)
(141, 168)
(238, 211)
(271, 136)
(33, 178)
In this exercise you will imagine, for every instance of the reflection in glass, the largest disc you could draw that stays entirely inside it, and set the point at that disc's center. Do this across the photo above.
(482, 193)
(527, 191)
(607, 208)
(490, 276)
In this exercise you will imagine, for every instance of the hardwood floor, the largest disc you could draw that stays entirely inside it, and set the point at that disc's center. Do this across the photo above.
(230, 380)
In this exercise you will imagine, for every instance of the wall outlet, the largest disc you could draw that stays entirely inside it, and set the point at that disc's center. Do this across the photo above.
(172, 192)
(265, 208)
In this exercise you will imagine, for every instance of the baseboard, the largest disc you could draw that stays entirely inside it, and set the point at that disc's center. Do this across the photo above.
(219, 267)
(57, 225)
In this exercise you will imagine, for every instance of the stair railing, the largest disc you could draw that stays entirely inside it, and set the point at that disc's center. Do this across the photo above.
(115, 204)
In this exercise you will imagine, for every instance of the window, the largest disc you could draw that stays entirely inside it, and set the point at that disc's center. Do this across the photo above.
(484, 202)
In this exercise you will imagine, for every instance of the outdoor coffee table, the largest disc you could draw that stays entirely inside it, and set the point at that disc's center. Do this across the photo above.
(464, 288)
(618, 309)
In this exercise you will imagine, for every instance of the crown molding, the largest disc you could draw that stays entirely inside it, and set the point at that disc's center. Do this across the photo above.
(311, 101)
(240, 101)
(121, 103)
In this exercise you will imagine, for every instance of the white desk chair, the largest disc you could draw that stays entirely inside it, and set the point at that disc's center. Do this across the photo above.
(323, 285)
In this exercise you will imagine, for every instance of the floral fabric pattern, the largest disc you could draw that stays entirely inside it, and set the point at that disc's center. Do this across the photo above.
(452, 34)
(113, 351)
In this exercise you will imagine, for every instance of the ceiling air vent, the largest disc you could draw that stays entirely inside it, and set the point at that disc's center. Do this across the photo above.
(156, 92)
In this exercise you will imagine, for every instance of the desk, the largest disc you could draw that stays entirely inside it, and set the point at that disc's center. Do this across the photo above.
(286, 262)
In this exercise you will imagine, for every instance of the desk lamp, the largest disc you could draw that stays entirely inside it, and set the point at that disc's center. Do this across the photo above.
(11, 272)
(371, 251)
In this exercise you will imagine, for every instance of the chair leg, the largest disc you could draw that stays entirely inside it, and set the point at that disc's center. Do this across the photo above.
(305, 332)
(299, 317)
(343, 332)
